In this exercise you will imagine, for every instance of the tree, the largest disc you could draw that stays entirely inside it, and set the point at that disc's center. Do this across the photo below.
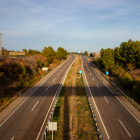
(61, 53)
(25, 51)
(107, 58)
(91, 55)
(128, 52)
(49, 53)
(86, 53)
(5, 52)
(39, 62)
(33, 52)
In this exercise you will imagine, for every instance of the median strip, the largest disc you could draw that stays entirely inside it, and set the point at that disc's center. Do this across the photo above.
(72, 112)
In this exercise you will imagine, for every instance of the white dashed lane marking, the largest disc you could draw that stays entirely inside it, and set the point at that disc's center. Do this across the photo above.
(47, 88)
(106, 100)
(35, 105)
(125, 128)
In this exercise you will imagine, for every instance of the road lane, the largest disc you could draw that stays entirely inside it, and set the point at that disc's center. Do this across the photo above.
(24, 123)
(114, 112)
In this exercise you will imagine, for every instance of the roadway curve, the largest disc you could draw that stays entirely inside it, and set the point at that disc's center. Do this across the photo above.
(28, 120)
(116, 121)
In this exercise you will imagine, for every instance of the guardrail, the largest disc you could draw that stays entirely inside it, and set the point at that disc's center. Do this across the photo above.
(94, 116)
(55, 102)
(127, 97)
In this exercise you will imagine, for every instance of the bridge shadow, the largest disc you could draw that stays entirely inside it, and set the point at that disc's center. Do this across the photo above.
(44, 93)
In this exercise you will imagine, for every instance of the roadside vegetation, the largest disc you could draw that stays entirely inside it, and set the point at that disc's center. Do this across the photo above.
(123, 64)
(72, 112)
(18, 73)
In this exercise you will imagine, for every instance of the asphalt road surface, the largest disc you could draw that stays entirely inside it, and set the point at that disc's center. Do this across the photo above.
(116, 121)
(28, 120)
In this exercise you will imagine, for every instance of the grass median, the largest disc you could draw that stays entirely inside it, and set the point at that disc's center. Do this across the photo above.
(72, 112)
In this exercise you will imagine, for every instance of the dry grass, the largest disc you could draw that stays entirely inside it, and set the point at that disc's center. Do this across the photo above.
(72, 111)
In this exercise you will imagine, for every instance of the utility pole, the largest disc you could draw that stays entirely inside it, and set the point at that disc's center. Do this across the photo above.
(1, 44)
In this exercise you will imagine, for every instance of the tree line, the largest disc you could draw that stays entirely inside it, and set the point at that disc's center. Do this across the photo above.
(120, 62)
(19, 72)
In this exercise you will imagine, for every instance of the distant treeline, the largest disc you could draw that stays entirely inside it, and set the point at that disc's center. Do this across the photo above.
(120, 62)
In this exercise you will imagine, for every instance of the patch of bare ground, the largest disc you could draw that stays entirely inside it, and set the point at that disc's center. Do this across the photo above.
(135, 72)
(72, 111)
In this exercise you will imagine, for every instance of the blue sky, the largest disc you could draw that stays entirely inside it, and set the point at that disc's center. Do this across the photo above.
(85, 25)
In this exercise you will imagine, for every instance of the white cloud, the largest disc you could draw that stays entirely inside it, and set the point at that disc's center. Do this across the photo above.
(75, 20)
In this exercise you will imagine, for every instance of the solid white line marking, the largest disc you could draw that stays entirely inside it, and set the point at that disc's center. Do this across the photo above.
(54, 79)
(35, 105)
(97, 86)
(125, 128)
(95, 103)
(30, 95)
(127, 109)
(47, 88)
(12, 138)
(106, 100)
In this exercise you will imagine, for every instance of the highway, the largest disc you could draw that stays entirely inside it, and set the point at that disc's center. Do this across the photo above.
(28, 120)
(115, 120)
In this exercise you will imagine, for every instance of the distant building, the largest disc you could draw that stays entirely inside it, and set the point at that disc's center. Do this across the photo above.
(16, 53)
(96, 54)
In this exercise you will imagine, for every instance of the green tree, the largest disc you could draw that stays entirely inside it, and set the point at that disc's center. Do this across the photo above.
(91, 55)
(107, 59)
(128, 52)
(61, 53)
(49, 53)
(5, 52)
(33, 52)
(86, 53)
(39, 62)
(46, 64)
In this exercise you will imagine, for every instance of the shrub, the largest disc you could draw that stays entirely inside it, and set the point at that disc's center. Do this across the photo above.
(46, 64)
(127, 81)
(136, 87)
